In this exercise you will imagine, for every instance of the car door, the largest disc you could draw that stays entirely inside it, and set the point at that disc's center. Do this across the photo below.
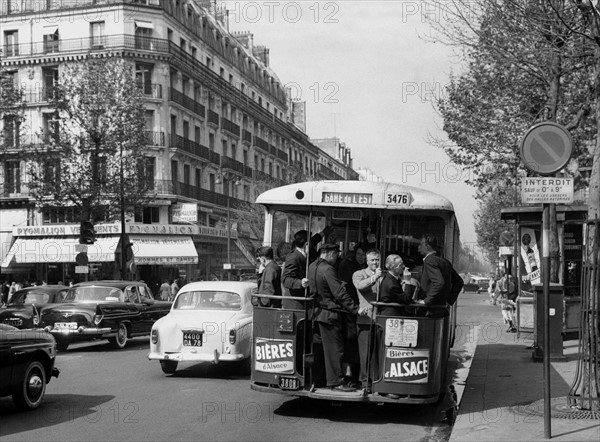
(132, 299)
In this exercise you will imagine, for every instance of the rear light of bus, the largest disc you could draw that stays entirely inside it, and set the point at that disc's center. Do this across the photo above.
(232, 336)
(154, 336)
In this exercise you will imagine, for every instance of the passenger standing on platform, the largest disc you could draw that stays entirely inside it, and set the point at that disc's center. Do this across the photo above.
(270, 279)
(165, 290)
(439, 280)
(293, 276)
(366, 281)
(346, 269)
(395, 288)
(331, 302)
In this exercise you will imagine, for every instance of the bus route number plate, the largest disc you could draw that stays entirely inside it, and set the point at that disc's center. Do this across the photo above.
(401, 332)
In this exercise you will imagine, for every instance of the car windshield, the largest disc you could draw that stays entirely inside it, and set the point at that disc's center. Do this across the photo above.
(208, 300)
(94, 294)
(30, 298)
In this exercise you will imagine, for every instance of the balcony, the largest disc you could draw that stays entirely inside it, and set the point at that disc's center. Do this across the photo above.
(230, 127)
(282, 155)
(189, 103)
(194, 148)
(246, 136)
(151, 90)
(213, 118)
(155, 138)
(86, 44)
(261, 144)
(231, 164)
(166, 187)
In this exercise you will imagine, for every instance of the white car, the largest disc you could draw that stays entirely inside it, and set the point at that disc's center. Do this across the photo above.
(210, 321)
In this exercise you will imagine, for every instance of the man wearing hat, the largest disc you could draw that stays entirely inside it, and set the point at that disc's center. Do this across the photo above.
(331, 302)
(293, 276)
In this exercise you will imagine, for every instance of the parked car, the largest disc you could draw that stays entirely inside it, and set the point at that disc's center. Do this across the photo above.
(26, 365)
(477, 284)
(23, 309)
(210, 321)
(113, 310)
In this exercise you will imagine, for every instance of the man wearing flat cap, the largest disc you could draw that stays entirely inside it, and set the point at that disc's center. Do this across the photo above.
(332, 301)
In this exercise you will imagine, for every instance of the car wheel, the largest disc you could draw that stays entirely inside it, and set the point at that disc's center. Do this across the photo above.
(29, 393)
(168, 367)
(120, 341)
(62, 344)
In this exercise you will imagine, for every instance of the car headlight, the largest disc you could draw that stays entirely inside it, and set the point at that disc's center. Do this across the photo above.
(232, 336)
(154, 336)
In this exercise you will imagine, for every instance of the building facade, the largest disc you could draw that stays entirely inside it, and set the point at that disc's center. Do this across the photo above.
(219, 122)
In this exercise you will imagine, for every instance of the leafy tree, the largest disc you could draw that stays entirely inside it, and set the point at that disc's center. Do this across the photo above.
(11, 110)
(93, 158)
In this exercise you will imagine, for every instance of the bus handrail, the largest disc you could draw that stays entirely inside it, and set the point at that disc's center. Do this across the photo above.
(396, 304)
(295, 298)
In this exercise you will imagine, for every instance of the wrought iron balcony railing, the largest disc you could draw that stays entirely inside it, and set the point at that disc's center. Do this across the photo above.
(213, 117)
(230, 126)
(246, 136)
(261, 144)
(194, 148)
(187, 102)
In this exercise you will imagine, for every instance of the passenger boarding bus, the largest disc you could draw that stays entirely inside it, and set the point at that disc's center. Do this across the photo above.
(412, 350)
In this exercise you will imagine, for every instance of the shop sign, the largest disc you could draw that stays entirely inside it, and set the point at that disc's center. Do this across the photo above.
(185, 213)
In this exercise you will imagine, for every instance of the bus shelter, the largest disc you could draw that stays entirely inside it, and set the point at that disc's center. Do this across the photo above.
(526, 260)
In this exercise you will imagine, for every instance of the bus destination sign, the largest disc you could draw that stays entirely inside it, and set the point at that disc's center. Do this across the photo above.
(347, 198)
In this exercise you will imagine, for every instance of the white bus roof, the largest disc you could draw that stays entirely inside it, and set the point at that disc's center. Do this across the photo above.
(355, 194)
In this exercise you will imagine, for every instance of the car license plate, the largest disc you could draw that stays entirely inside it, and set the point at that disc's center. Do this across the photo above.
(17, 322)
(286, 383)
(65, 325)
(192, 338)
(401, 332)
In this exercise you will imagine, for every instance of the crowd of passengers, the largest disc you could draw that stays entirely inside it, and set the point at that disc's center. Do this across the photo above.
(344, 292)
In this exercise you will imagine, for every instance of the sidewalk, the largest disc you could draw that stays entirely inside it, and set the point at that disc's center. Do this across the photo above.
(504, 390)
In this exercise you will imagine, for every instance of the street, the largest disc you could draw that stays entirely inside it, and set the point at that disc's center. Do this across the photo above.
(105, 394)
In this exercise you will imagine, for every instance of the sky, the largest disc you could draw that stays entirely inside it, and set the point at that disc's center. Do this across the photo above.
(369, 78)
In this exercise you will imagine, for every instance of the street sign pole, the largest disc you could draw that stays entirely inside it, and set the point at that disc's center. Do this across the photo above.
(546, 310)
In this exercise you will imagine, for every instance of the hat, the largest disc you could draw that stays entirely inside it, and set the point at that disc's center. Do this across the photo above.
(329, 248)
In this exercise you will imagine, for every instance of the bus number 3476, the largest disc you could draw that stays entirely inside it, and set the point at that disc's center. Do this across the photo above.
(393, 198)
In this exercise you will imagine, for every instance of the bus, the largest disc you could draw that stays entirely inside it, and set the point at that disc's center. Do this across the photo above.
(413, 350)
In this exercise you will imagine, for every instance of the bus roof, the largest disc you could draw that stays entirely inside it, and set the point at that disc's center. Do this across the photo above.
(355, 194)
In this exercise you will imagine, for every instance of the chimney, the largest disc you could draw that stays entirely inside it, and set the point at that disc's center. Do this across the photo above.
(246, 38)
(262, 53)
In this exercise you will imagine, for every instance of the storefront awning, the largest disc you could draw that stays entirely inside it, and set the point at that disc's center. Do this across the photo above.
(158, 249)
(59, 249)
(144, 24)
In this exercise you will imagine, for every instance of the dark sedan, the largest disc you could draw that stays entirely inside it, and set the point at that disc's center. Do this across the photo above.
(113, 310)
(23, 308)
(26, 365)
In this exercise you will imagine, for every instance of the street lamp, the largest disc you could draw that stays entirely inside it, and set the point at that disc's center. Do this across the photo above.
(228, 177)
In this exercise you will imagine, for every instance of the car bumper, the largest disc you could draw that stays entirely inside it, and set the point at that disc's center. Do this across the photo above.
(214, 357)
(81, 331)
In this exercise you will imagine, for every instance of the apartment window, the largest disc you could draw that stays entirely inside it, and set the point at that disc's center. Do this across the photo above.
(245, 157)
(208, 62)
(270, 169)
(11, 43)
(50, 39)
(12, 131)
(143, 77)
(197, 134)
(233, 151)
(197, 93)
(185, 85)
(173, 125)
(50, 127)
(174, 171)
(50, 78)
(12, 177)
(186, 130)
(224, 147)
(198, 178)
(148, 171)
(262, 164)
(230, 79)
(187, 171)
(143, 35)
(256, 161)
(211, 182)
(194, 51)
(147, 215)
(149, 119)
(222, 72)
(98, 35)
(211, 141)
(183, 44)
(173, 78)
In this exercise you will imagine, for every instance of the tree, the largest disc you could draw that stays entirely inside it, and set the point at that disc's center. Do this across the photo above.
(11, 110)
(93, 153)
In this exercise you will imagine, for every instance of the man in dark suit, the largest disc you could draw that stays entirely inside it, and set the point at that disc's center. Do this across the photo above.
(332, 301)
(438, 278)
(394, 288)
(270, 279)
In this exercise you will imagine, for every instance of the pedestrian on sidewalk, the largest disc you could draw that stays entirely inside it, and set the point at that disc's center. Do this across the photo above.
(508, 297)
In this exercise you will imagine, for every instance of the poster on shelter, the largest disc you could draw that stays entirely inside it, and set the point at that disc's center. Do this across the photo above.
(530, 256)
